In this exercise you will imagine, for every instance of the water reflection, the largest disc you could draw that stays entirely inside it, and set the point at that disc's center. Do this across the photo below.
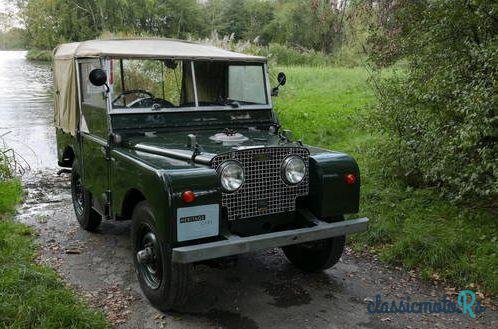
(26, 112)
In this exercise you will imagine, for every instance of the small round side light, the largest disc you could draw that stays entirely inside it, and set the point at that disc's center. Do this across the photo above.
(188, 196)
(350, 179)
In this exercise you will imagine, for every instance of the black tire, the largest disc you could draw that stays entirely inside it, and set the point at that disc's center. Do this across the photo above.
(164, 283)
(317, 255)
(88, 218)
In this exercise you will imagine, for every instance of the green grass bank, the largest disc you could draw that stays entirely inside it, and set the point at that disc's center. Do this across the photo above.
(33, 296)
(413, 228)
(40, 55)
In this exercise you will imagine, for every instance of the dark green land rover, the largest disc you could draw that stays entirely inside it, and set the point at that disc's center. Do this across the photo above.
(181, 138)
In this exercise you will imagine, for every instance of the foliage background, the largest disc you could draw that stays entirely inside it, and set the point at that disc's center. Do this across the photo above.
(318, 25)
(438, 115)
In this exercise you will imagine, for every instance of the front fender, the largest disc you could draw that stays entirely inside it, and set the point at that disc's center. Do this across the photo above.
(162, 188)
(330, 195)
(203, 182)
(130, 173)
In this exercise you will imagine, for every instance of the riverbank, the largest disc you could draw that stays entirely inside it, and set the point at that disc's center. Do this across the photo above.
(39, 55)
(33, 296)
(415, 229)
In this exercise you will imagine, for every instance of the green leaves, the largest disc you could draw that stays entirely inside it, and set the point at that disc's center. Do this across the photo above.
(440, 116)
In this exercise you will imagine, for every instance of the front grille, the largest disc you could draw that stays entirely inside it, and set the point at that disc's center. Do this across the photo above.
(264, 192)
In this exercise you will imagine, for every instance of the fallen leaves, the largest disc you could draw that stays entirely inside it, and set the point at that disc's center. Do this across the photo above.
(115, 303)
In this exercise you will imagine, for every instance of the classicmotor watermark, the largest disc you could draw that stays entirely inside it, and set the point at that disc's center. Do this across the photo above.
(466, 304)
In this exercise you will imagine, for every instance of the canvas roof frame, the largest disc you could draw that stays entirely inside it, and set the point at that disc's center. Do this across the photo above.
(66, 98)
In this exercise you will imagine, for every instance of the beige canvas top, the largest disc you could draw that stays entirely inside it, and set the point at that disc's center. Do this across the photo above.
(148, 48)
(66, 96)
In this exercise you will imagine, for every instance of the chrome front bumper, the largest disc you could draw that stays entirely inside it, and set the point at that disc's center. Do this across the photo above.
(234, 245)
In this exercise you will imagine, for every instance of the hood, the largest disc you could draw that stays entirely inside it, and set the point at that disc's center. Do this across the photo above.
(210, 143)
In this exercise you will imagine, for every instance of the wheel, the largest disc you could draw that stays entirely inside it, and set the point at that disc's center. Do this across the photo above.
(88, 218)
(317, 255)
(164, 283)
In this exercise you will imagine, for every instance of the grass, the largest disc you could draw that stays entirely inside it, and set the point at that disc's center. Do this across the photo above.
(10, 195)
(413, 228)
(33, 296)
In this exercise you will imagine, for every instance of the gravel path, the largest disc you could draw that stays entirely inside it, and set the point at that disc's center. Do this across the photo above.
(259, 290)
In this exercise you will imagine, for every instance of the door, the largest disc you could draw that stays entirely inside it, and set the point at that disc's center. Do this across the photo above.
(94, 132)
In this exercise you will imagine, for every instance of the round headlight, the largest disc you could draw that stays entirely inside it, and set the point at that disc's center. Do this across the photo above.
(231, 176)
(293, 169)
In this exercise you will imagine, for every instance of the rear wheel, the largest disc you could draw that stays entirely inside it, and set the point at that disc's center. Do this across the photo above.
(88, 218)
(164, 283)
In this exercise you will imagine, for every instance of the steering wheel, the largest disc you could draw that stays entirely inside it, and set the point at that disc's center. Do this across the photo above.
(129, 92)
(146, 99)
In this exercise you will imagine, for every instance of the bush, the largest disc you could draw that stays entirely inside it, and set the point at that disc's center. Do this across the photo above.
(283, 55)
(40, 55)
(439, 113)
(276, 53)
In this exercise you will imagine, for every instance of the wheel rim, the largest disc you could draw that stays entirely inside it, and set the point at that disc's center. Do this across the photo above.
(78, 197)
(149, 259)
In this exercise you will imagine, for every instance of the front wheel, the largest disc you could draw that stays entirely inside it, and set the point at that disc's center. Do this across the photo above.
(164, 283)
(317, 255)
(88, 218)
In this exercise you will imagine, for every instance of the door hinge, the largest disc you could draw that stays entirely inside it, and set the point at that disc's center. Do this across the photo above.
(107, 207)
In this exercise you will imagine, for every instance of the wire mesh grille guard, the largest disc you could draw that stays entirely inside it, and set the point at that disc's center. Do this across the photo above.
(264, 192)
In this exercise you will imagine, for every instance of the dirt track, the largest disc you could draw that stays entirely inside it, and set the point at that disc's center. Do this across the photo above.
(260, 290)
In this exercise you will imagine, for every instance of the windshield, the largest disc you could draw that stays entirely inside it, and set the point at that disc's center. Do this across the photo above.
(170, 84)
(220, 83)
(147, 83)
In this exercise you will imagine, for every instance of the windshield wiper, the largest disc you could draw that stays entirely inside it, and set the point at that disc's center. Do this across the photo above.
(225, 102)
(233, 103)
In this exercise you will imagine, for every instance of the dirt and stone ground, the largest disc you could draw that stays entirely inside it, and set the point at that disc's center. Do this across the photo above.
(259, 290)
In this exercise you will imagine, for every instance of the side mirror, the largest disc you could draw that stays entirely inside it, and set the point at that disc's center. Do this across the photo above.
(98, 77)
(282, 79)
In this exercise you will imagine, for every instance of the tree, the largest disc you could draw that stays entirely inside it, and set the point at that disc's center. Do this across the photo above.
(213, 16)
(235, 16)
(260, 14)
(439, 114)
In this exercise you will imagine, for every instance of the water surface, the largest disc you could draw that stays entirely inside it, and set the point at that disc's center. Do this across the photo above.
(26, 113)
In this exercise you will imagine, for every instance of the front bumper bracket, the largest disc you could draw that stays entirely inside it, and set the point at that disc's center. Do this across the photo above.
(234, 244)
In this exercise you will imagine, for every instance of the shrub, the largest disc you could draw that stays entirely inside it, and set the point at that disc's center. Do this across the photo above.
(276, 53)
(439, 113)
(283, 55)
(40, 55)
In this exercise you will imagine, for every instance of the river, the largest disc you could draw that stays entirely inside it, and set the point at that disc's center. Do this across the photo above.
(26, 112)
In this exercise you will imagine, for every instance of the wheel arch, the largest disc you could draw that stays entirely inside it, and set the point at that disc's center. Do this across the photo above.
(132, 197)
